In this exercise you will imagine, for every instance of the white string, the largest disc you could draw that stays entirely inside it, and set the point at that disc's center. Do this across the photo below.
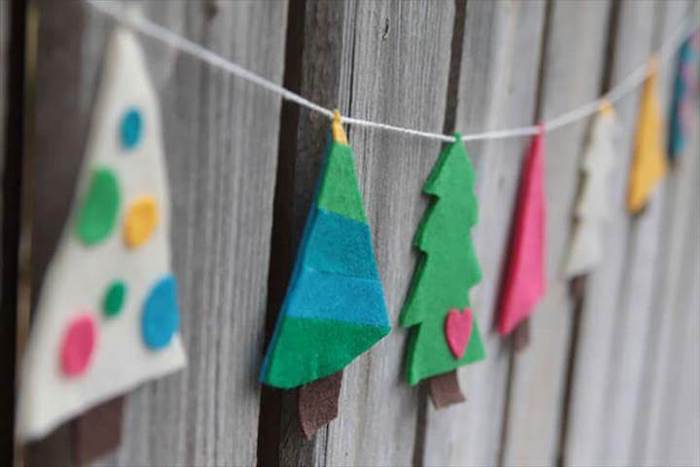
(624, 87)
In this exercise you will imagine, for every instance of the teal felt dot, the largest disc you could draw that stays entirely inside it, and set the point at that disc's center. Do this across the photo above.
(160, 318)
(131, 127)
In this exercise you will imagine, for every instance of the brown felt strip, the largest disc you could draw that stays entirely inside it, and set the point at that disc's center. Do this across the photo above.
(318, 403)
(444, 390)
(98, 431)
(521, 335)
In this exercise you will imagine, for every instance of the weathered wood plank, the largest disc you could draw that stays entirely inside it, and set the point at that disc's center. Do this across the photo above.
(571, 75)
(498, 87)
(221, 138)
(674, 315)
(669, 274)
(614, 323)
(393, 66)
(634, 303)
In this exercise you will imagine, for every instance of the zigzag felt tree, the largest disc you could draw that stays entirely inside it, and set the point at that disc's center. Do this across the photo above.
(334, 309)
(444, 334)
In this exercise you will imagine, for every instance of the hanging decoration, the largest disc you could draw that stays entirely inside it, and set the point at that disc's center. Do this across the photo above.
(649, 163)
(334, 309)
(444, 331)
(593, 207)
(525, 278)
(685, 84)
(107, 315)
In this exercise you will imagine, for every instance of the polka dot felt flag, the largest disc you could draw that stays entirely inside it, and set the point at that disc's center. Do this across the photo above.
(107, 316)
(334, 309)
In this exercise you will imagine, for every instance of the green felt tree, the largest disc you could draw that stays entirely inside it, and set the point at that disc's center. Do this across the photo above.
(444, 334)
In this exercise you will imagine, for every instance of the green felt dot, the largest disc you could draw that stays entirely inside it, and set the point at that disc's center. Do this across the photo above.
(98, 214)
(114, 299)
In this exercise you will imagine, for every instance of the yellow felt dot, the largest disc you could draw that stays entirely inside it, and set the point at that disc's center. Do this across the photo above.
(140, 222)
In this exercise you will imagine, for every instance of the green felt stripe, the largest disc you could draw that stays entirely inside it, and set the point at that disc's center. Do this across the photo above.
(308, 349)
(429, 355)
(339, 191)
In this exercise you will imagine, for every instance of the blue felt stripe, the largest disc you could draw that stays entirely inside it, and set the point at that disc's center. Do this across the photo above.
(336, 244)
(320, 295)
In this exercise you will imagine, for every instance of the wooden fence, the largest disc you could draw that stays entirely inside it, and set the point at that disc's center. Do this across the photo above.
(612, 373)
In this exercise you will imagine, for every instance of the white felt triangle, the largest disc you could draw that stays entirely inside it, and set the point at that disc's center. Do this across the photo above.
(593, 207)
(79, 274)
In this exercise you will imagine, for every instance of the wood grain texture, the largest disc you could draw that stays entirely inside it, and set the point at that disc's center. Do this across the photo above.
(624, 403)
(221, 145)
(635, 381)
(610, 357)
(393, 67)
(498, 85)
(673, 357)
(572, 72)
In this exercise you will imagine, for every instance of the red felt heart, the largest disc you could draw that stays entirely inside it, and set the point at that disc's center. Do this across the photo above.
(458, 330)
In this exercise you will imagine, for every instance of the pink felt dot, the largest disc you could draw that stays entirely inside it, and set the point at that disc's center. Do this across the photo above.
(78, 345)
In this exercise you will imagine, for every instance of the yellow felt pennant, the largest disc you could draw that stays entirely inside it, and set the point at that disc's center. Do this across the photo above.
(649, 164)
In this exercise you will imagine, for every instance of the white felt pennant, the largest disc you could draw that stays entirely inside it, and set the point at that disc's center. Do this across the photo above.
(593, 208)
(125, 140)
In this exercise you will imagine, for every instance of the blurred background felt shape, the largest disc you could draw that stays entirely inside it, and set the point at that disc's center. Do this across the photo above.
(83, 306)
(593, 205)
(649, 162)
(525, 277)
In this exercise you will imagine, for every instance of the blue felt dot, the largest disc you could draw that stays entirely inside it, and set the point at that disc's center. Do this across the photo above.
(160, 317)
(131, 128)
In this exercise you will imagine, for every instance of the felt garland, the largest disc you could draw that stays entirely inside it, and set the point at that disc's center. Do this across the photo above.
(649, 163)
(444, 331)
(525, 277)
(107, 314)
(593, 207)
(334, 309)
(685, 84)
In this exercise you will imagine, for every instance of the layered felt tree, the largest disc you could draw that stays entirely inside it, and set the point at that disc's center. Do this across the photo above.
(593, 207)
(107, 315)
(444, 332)
(334, 309)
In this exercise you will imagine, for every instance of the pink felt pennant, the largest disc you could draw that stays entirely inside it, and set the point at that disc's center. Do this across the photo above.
(525, 279)
(458, 330)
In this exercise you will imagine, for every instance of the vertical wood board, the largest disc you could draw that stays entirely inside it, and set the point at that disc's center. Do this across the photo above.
(571, 76)
(498, 86)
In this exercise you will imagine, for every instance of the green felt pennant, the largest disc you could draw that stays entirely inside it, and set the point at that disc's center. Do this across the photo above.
(447, 270)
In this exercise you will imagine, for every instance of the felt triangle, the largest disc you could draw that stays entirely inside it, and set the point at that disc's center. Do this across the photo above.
(106, 319)
(334, 309)
(649, 162)
(593, 207)
(685, 82)
(446, 271)
(525, 279)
